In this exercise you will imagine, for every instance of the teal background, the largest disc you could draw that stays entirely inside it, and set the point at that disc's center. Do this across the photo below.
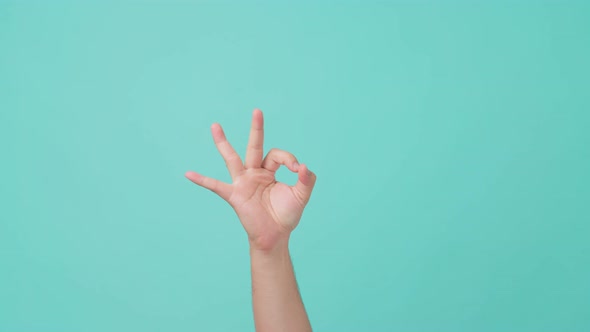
(450, 142)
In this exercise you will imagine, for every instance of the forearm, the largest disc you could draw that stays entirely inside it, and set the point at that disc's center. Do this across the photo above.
(275, 295)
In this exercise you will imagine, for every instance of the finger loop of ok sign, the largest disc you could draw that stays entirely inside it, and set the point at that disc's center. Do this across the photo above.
(276, 157)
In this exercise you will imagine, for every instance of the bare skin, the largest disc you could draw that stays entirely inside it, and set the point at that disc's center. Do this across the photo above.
(269, 211)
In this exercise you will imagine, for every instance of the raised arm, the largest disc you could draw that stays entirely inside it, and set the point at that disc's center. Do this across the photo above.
(269, 211)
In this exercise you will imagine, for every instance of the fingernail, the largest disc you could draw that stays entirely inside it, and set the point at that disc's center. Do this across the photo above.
(295, 165)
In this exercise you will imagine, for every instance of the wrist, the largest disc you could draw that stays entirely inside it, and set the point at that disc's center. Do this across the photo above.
(276, 248)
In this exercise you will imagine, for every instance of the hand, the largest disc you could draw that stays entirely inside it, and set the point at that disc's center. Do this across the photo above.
(268, 210)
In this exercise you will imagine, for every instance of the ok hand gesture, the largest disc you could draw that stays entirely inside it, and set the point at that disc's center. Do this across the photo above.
(268, 210)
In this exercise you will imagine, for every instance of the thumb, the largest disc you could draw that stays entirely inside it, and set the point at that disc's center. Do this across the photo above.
(305, 183)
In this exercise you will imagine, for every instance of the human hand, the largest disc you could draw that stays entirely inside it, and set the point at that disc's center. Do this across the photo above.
(269, 210)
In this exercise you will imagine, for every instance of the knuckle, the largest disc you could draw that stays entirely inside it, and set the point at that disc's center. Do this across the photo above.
(280, 156)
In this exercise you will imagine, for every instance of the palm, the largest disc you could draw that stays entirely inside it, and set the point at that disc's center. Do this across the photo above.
(268, 210)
